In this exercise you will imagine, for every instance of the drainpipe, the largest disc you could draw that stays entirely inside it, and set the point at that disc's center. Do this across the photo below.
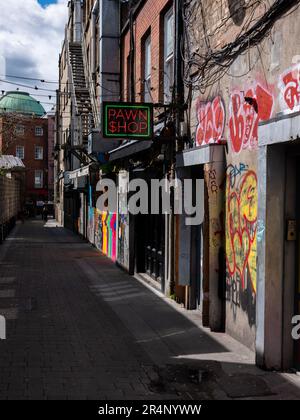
(179, 98)
(175, 145)
(95, 13)
(77, 21)
(132, 52)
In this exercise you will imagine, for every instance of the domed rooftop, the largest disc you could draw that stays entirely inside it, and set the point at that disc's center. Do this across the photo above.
(21, 103)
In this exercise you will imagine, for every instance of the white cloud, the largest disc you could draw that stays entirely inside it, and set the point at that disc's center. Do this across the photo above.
(31, 38)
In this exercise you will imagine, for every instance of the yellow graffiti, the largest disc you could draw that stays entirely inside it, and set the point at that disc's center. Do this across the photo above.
(241, 229)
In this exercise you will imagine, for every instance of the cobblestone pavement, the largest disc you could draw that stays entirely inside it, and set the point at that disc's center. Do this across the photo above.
(80, 328)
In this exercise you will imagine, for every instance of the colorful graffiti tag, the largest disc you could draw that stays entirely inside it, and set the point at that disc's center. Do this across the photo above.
(123, 241)
(246, 111)
(289, 86)
(241, 241)
(106, 233)
(211, 118)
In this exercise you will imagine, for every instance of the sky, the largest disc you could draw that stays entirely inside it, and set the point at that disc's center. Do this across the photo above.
(31, 35)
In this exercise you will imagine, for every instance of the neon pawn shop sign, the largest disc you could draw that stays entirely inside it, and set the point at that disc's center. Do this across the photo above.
(128, 120)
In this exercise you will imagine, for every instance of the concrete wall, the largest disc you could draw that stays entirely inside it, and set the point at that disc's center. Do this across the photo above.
(270, 76)
(148, 21)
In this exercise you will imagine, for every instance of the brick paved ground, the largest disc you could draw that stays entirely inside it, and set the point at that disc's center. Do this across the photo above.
(79, 328)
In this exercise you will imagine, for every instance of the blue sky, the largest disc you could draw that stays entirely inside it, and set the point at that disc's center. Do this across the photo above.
(31, 34)
(46, 2)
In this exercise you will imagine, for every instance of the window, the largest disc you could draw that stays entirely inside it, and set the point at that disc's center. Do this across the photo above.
(38, 153)
(39, 131)
(147, 70)
(168, 55)
(20, 152)
(20, 130)
(38, 179)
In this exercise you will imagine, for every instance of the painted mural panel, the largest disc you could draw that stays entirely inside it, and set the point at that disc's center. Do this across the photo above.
(105, 233)
(241, 239)
(123, 221)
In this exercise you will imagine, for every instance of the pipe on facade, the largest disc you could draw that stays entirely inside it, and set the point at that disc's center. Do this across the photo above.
(77, 21)
(132, 51)
(95, 13)
(174, 145)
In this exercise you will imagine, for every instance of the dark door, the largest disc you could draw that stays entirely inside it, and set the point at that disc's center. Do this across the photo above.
(71, 210)
(196, 268)
(150, 246)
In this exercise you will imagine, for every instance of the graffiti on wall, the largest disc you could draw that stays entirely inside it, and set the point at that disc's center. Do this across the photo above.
(247, 109)
(123, 240)
(241, 240)
(211, 119)
(213, 181)
(106, 233)
(289, 86)
(217, 231)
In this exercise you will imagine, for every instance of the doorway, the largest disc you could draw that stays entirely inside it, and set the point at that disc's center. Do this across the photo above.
(150, 249)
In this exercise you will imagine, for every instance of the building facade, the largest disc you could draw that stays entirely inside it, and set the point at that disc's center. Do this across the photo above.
(244, 94)
(51, 141)
(24, 134)
(223, 79)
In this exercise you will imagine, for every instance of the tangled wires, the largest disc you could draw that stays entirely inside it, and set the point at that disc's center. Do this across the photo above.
(205, 69)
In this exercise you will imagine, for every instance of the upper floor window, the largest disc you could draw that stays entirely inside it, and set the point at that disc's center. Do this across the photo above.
(39, 131)
(38, 179)
(147, 70)
(38, 153)
(20, 130)
(20, 152)
(168, 55)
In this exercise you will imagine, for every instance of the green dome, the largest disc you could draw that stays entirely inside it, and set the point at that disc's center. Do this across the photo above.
(22, 103)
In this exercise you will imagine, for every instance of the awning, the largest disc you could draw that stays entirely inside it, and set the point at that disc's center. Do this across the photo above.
(281, 129)
(128, 149)
(201, 155)
(77, 179)
(11, 163)
(78, 173)
(134, 146)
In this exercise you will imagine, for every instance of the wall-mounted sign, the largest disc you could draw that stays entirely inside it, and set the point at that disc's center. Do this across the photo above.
(127, 120)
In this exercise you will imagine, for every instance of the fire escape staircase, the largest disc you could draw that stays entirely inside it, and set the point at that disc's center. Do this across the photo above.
(82, 118)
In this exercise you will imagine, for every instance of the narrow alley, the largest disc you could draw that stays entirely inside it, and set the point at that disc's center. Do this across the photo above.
(80, 328)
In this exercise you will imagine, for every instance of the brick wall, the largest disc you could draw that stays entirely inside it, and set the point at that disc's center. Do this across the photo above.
(148, 20)
(29, 140)
(51, 141)
(10, 199)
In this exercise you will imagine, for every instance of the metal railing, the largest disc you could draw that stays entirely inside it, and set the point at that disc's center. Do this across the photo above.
(91, 83)
(76, 125)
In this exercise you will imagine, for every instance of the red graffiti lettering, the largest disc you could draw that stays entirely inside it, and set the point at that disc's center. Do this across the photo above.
(290, 88)
(246, 111)
(211, 121)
